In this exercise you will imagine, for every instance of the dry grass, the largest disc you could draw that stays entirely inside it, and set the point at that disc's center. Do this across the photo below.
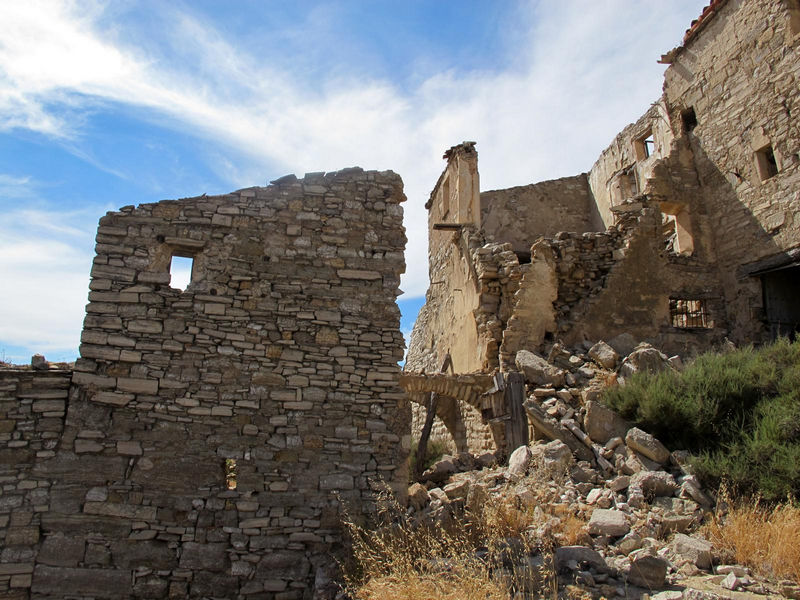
(766, 539)
(492, 549)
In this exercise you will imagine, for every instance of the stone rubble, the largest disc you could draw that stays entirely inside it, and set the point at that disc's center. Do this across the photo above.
(641, 512)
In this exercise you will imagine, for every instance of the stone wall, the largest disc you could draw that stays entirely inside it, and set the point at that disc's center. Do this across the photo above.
(32, 409)
(212, 433)
(738, 76)
(520, 214)
(621, 170)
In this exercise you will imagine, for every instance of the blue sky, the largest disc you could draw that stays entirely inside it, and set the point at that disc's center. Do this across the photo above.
(104, 104)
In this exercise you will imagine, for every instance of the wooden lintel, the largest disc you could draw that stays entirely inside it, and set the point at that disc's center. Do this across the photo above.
(447, 226)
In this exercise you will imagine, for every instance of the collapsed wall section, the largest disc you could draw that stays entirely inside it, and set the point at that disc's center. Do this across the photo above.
(212, 433)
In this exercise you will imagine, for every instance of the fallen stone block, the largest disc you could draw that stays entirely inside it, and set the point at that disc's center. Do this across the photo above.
(418, 496)
(602, 424)
(646, 444)
(604, 355)
(537, 370)
(519, 461)
(582, 556)
(648, 571)
(695, 549)
(654, 483)
(609, 522)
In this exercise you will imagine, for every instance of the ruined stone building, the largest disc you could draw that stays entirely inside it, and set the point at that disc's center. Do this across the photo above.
(206, 438)
(685, 231)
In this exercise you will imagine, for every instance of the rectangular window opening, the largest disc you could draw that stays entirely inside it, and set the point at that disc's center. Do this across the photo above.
(180, 270)
(765, 163)
(445, 197)
(230, 473)
(688, 119)
(645, 145)
(688, 314)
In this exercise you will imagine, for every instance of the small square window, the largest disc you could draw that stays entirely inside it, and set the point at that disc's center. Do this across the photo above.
(688, 314)
(766, 164)
(180, 270)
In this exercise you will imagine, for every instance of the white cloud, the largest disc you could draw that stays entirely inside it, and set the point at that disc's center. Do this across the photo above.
(576, 77)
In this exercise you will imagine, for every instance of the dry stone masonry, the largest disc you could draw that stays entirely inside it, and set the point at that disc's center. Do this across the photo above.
(207, 437)
(682, 234)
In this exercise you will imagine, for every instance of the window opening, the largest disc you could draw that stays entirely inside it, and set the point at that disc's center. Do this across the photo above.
(689, 119)
(523, 257)
(445, 196)
(180, 270)
(230, 473)
(677, 232)
(645, 145)
(765, 163)
(688, 314)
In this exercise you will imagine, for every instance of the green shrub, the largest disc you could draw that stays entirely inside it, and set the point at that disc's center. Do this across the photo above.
(738, 413)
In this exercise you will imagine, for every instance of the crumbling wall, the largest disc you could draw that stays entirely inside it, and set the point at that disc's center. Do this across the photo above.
(519, 215)
(732, 91)
(620, 172)
(212, 433)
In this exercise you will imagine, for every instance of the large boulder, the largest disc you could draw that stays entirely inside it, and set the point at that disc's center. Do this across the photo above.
(537, 370)
(601, 423)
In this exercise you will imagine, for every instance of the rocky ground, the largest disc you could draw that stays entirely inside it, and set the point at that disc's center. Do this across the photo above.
(604, 505)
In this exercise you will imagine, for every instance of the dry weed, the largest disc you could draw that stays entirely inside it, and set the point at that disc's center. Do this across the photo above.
(766, 539)
(481, 554)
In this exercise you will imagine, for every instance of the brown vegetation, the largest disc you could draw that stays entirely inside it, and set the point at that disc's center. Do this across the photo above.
(766, 539)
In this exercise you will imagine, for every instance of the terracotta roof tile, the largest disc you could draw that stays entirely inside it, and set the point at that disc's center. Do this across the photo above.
(705, 17)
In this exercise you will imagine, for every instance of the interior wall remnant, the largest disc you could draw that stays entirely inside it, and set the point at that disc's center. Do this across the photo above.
(518, 215)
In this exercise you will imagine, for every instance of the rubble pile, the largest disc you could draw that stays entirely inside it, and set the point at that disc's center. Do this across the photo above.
(638, 506)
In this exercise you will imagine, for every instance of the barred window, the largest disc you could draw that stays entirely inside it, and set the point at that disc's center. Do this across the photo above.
(688, 314)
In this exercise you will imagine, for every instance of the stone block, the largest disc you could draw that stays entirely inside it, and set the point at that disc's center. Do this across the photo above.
(137, 386)
(336, 482)
(61, 551)
(695, 549)
(129, 448)
(604, 355)
(60, 582)
(207, 557)
(602, 424)
(537, 370)
(654, 483)
(609, 522)
(648, 572)
(647, 445)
